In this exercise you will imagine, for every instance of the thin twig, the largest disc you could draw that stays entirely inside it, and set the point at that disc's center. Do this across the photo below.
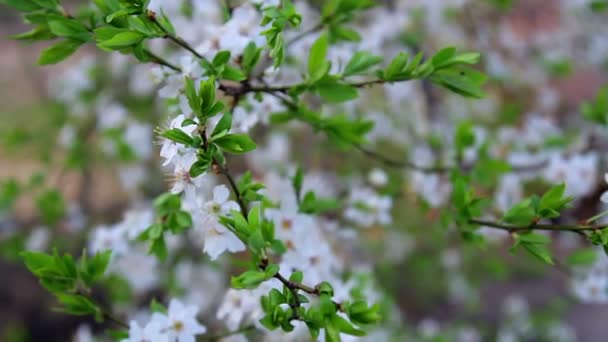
(235, 189)
(159, 60)
(227, 333)
(318, 26)
(537, 226)
(114, 320)
(401, 164)
(175, 39)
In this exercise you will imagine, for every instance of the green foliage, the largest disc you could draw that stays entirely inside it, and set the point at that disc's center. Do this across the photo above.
(69, 280)
(318, 67)
(361, 62)
(310, 204)
(535, 244)
(446, 68)
(278, 17)
(341, 131)
(51, 206)
(598, 5)
(521, 214)
(58, 52)
(582, 257)
(597, 111)
(532, 209)
(251, 57)
(235, 143)
(169, 218)
(255, 231)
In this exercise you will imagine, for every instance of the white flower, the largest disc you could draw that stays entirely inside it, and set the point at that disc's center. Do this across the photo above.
(366, 207)
(152, 331)
(215, 237)
(377, 177)
(174, 153)
(180, 323)
(138, 136)
(109, 238)
(138, 268)
(38, 239)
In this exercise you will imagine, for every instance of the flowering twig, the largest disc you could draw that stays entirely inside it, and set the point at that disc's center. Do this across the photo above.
(538, 226)
(401, 164)
(107, 315)
(175, 39)
(227, 334)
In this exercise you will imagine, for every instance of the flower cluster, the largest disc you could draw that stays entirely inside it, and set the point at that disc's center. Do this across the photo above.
(266, 229)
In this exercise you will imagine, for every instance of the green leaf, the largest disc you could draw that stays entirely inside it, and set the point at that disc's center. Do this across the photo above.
(51, 206)
(235, 143)
(183, 219)
(199, 167)
(77, 305)
(178, 136)
(360, 63)
(158, 248)
(296, 277)
(38, 33)
(582, 257)
(553, 201)
(251, 56)
(58, 52)
(533, 238)
(597, 110)
(165, 23)
(297, 180)
(444, 55)
(396, 66)
(345, 326)
(540, 251)
(233, 74)
(97, 265)
(523, 213)
(221, 58)
(248, 280)
(464, 136)
(22, 5)
(194, 100)
(463, 81)
(332, 334)
(223, 126)
(344, 33)
(317, 65)
(336, 92)
(122, 40)
(69, 28)
(254, 216)
(598, 6)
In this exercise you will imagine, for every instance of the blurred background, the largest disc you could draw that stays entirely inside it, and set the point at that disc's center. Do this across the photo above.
(544, 58)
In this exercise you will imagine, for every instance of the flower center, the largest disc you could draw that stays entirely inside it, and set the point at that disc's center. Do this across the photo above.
(178, 326)
(287, 224)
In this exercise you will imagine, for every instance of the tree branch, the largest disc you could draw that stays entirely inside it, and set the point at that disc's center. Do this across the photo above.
(536, 226)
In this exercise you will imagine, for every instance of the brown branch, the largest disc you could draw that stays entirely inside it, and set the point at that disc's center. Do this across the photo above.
(175, 39)
(538, 226)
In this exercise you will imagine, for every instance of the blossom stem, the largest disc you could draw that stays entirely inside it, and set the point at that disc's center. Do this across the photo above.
(537, 226)
(228, 333)
(175, 39)
(159, 60)
(235, 189)
(318, 26)
(114, 320)
(401, 164)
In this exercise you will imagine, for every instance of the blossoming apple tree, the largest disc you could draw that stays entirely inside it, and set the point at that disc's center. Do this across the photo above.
(215, 78)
